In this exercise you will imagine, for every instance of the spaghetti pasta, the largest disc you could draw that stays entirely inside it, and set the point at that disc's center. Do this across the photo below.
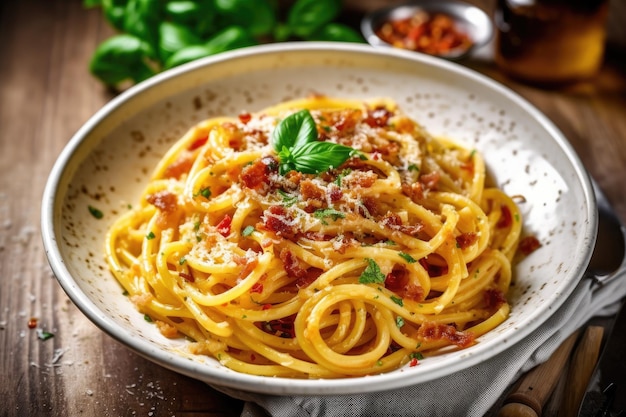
(318, 238)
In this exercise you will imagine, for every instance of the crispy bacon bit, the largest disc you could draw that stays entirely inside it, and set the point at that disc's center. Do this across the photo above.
(292, 264)
(311, 193)
(364, 179)
(166, 329)
(223, 227)
(293, 267)
(430, 181)
(465, 240)
(282, 327)
(248, 268)
(167, 202)
(257, 175)
(186, 276)
(528, 245)
(398, 281)
(433, 270)
(163, 200)
(373, 207)
(414, 191)
(335, 193)
(179, 167)
(377, 117)
(245, 117)
(430, 331)
(344, 121)
(494, 298)
(506, 219)
(393, 221)
(278, 221)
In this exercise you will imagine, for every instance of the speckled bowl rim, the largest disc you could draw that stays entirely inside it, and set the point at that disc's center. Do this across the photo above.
(58, 180)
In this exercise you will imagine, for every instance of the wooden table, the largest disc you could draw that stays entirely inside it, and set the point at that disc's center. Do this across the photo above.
(46, 93)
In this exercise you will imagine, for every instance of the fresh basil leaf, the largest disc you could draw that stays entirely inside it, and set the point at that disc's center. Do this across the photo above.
(293, 131)
(174, 37)
(92, 3)
(232, 37)
(306, 16)
(336, 32)
(257, 16)
(187, 54)
(197, 15)
(316, 157)
(114, 12)
(142, 19)
(372, 273)
(120, 58)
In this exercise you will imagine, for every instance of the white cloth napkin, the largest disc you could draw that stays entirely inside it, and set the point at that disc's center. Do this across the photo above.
(452, 395)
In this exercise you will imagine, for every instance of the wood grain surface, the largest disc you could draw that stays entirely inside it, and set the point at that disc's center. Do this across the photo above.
(46, 94)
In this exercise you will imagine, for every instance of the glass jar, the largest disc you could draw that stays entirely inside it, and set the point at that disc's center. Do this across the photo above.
(550, 41)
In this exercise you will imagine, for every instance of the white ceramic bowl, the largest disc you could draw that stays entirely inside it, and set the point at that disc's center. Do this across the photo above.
(108, 161)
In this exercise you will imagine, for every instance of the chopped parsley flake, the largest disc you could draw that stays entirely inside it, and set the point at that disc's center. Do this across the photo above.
(407, 257)
(205, 192)
(150, 236)
(372, 274)
(247, 231)
(147, 318)
(322, 214)
(43, 335)
(397, 300)
(416, 355)
(288, 199)
(95, 212)
(399, 321)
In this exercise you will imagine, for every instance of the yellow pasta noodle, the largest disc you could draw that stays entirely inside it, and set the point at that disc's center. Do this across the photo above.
(318, 238)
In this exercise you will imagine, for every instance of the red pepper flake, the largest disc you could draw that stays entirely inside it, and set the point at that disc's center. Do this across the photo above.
(186, 276)
(266, 306)
(257, 288)
(465, 240)
(223, 226)
(413, 362)
(435, 34)
(32, 323)
(198, 143)
(528, 245)
(506, 220)
(245, 117)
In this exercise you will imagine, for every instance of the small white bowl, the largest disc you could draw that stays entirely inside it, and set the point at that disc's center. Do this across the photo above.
(107, 163)
(469, 19)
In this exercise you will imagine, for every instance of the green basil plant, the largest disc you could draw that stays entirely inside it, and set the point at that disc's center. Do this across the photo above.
(155, 35)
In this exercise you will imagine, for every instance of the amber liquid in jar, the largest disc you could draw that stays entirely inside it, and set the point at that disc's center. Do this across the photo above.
(550, 41)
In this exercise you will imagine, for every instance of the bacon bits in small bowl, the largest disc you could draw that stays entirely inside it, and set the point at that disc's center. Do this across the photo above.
(446, 29)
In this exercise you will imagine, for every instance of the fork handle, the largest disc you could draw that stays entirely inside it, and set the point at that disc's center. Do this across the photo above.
(535, 387)
(581, 368)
